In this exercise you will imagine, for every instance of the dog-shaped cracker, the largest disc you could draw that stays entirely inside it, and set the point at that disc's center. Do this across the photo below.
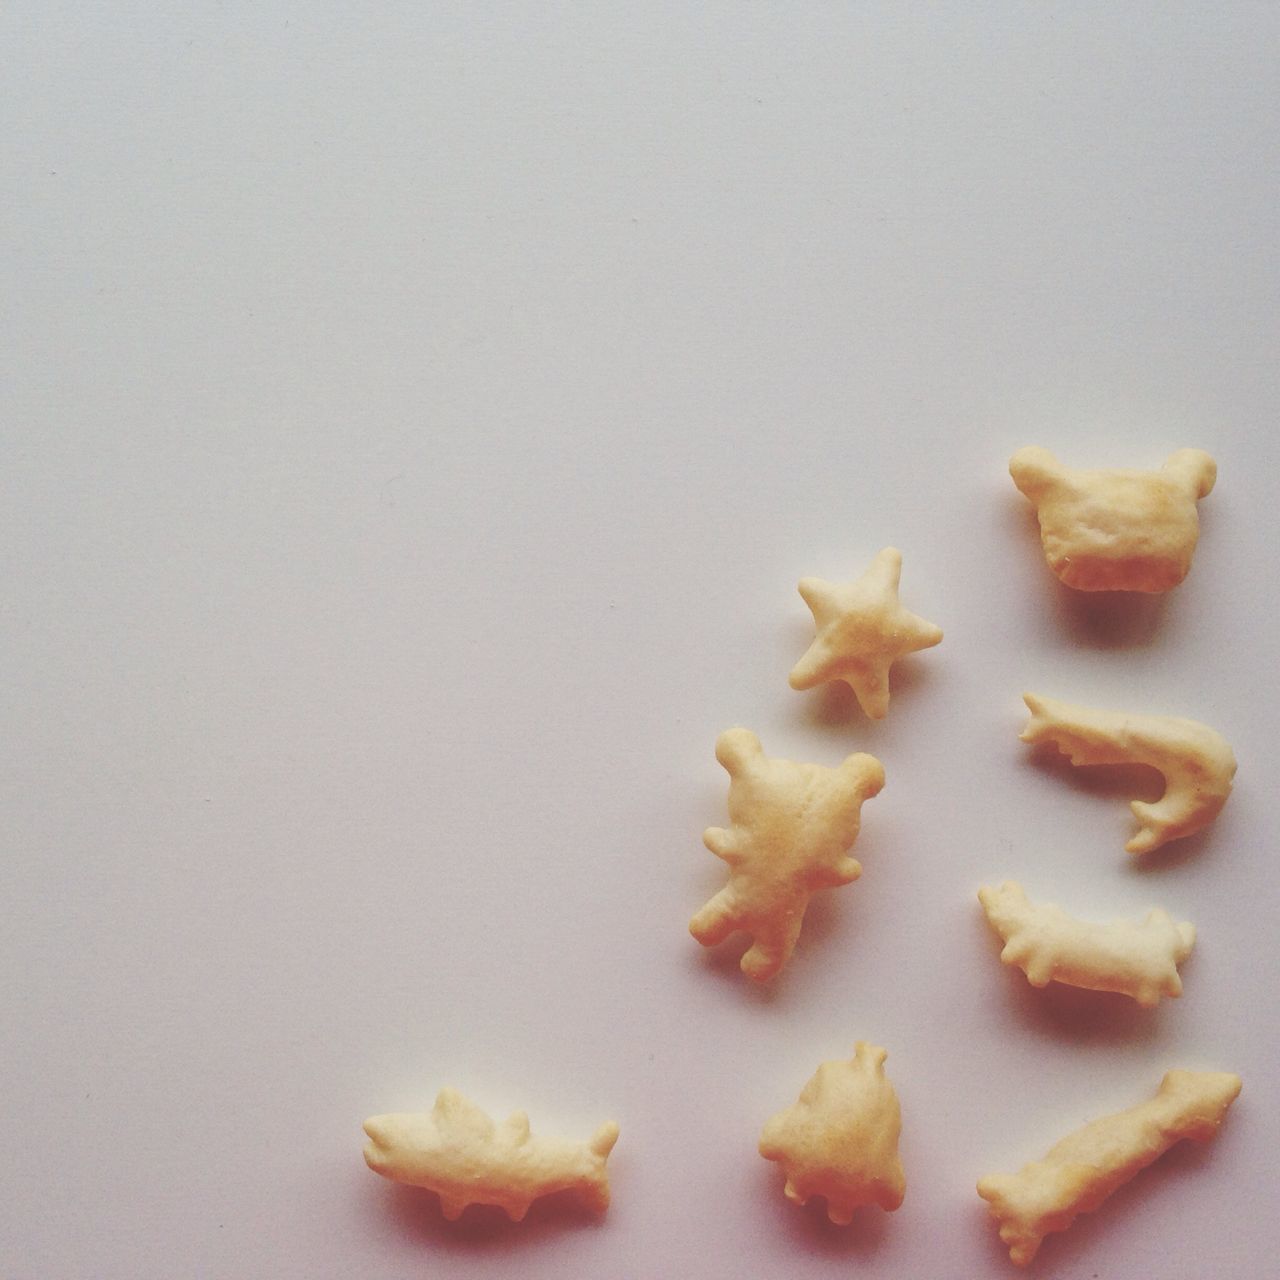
(840, 1140)
(792, 826)
(458, 1152)
(1197, 763)
(1117, 530)
(1082, 1170)
(1135, 958)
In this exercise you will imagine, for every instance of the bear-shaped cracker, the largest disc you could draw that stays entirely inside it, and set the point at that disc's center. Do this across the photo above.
(1117, 530)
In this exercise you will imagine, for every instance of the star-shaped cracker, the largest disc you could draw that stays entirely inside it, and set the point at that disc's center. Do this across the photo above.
(862, 631)
(840, 1140)
(792, 828)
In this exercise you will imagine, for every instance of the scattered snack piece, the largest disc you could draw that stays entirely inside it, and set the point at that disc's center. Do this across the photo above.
(862, 632)
(840, 1141)
(458, 1152)
(1138, 959)
(1117, 530)
(1197, 763)
(792, 827)
(1085, 1168)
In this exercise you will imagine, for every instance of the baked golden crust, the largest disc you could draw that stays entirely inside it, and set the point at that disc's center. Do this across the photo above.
(862, 630)
(1197, 763)
(1116, 530)
(457, 1151)
(1082, 1170)
(1134, 958)
(840, 1139)
(792, 827)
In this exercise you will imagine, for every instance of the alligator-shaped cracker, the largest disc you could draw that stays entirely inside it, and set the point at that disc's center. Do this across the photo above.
(792, 828)
(1137, 959)
(1196, 762)
(840, 1140)
(1117, 530)
(458, 1152)
(1082, 1170)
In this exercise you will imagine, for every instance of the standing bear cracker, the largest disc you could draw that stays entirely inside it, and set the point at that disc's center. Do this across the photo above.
(792, 827)
(1117, 530)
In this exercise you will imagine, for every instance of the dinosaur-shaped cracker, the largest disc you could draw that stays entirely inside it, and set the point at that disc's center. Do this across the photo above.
(1138, 959)
(1086, 1167)
(840, 1140)
(862, 632)
(1197, 763)
(458, 1152)
(792, 827)
(1117, 530)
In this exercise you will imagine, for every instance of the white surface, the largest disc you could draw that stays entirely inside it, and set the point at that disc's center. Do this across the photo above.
(413, 431)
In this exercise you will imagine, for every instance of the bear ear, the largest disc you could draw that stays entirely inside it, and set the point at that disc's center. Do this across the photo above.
(1035, 471)
(1193, 469)
(735, 747)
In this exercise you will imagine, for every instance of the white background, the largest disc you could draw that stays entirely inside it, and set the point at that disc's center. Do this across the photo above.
(415, 422)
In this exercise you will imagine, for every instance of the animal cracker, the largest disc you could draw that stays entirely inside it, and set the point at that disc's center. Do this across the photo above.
(1082, 1170)
(1117, 530)
(457, 1151)
(1135, 958)
(792, 827)
(1196, 762)
(840, 1140)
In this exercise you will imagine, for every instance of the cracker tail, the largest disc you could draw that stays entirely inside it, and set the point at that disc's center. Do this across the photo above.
(1042, 717)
